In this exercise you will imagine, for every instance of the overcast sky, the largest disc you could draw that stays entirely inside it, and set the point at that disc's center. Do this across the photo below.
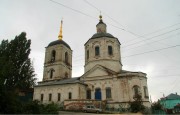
(149, 32)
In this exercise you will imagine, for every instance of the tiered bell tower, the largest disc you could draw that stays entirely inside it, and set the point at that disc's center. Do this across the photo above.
(103, 49)
(58, 60)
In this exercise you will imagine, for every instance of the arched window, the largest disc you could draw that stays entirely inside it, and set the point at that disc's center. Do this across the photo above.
(87, 54)
(66, 58)
(108, 93)
(51, 73)
(88, 94)
(70, 95)
(97, 52)
(53, 55)
(110, 50)
(136, 90)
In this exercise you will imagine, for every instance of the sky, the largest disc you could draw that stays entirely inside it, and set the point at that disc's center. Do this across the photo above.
(148, 30)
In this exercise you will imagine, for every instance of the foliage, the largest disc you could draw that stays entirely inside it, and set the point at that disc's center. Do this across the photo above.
(156, 106)
(16, 72)
(35, 107)
(137, 105)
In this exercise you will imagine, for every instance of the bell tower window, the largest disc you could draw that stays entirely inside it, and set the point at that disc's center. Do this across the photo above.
(87, 54)
(97, 52)
(66, 58)
(110, 50)
(53, 55)
(51, 73)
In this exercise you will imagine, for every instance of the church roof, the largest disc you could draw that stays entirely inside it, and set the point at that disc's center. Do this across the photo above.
(60, 82)
(102, 34)
(59, 42)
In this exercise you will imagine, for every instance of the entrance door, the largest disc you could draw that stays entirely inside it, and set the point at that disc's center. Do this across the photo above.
(98, 93)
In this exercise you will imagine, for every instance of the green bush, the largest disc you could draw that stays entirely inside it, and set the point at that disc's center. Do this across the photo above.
(35, 107)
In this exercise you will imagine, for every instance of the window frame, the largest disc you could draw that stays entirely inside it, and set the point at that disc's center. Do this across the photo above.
(42, 97)
(108, 93)
(53, 55)
(59, 97)
(87, 54)
(110, 50)
(66, 58)
(70, 95)
(50, 96)
(88, 94)
(145, 92)
(136, 90)
(97, 51)
(51, 73)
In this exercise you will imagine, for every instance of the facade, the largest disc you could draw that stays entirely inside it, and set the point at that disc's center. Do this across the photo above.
(103, 78)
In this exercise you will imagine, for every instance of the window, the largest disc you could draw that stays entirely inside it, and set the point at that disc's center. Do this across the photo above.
(145, 92)
(59, 96)
(87, 54)
(66, 58)
(110, 50)
(53, 55)
(98, 93)
(70, 95)
(108, 93)
(50, 97)
(42, 96)
(51, 73)
(136, 90)
(97, 52)
(88, 94)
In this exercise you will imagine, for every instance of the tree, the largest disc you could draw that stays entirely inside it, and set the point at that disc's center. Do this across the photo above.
(157, 106)
(137, 104)
(16, 72)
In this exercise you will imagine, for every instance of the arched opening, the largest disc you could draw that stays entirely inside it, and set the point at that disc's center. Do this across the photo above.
(110, 50)
(97, 51)
(53, 55)
(98, 93)
(66, 58)
(51, 73)
(136, 91)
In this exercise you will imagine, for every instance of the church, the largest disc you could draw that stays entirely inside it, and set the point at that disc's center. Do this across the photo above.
(103, 78)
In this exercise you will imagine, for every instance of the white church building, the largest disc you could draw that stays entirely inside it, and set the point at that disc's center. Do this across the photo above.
(103, 78)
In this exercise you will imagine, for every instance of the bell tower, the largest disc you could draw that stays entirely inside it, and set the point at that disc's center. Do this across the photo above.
(58, 60)
(103, 49)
